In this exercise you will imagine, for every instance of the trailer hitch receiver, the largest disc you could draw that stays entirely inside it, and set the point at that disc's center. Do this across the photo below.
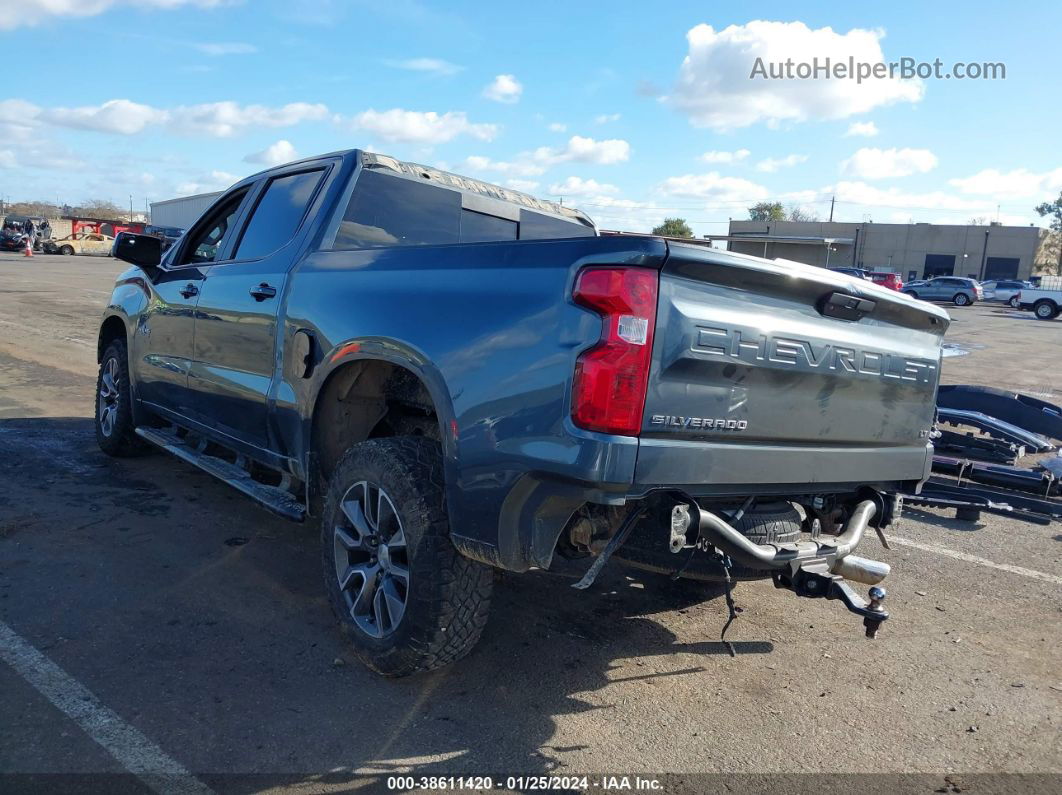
(814, 580)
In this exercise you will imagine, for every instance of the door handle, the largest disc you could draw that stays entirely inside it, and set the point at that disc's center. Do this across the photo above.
(189, 290)
(263, 291)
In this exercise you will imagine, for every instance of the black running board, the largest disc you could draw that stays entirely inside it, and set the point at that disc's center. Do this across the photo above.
(280, 501)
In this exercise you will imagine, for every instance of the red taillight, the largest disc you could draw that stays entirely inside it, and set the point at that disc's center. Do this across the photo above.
(611, 378)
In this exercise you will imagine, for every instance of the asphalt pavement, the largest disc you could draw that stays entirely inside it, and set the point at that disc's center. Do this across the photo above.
(157, 627)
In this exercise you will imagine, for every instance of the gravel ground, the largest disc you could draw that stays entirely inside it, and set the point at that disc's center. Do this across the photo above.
(200, 621)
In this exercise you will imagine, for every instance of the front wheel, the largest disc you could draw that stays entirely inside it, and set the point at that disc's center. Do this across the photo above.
(406, 598)
(961, 299)
(1045, 310)
(115, 432)
(66, 251)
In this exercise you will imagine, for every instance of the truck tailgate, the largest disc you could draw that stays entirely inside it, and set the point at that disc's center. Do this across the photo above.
(768, 372)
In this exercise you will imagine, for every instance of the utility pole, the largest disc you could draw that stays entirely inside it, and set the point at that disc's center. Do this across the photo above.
(130, 208)
(832, 200)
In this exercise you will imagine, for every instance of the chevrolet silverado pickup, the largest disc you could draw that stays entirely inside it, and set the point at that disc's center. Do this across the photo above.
(452, 377)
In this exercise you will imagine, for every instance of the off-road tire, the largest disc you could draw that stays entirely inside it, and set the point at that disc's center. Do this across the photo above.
(448, 595)
(1045, 310)
(121, 441)
(961, 299)
(769, 523)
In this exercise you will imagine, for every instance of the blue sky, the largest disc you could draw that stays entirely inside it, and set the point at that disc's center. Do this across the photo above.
(632, 112)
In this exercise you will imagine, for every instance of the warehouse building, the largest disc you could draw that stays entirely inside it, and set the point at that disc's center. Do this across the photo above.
(182, 212)
(915, 251)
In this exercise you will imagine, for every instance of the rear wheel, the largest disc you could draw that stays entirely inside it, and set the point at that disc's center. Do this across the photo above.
(961, 299)
(406, 598)
(1013, 301)
(1045, 310)
(911, 293)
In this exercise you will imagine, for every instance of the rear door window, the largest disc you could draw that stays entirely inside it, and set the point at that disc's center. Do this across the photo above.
(393, 211)
(279, 214)
(536, 226)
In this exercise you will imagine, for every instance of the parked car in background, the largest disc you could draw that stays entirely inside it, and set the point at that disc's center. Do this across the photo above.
(1005, 290)
(91, 244)
(1046, 304)
(859, 273)
(956, 289)
(887, 279)
(168, 234)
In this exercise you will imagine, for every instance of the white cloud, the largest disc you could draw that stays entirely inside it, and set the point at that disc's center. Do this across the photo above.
(724, 157)
(585, 150)
(411, 126)
(771, 164)
(866, 129)
(1019, 183)
(715, 87)
(225, 119)
(605, 118)
(435, 66)
(870, 195)
(715, 187)
(873, 163)
(525, 185)
(217, 119)
(522, 166)
(226, 48)
(214, 181)
(275, 154)
(611, 212)
(558, 127)
(17, 13)
(504, 88)
(576, 186)
(115, 116)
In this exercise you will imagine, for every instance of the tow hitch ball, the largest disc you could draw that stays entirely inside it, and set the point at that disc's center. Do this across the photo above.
(816, 581)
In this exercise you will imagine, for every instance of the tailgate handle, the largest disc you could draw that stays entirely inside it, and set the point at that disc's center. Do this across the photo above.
(845, 307)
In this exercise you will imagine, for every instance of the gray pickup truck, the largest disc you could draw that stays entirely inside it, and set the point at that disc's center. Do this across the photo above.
(455, 377)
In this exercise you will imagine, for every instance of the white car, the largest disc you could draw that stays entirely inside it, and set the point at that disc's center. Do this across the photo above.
(1005, 290)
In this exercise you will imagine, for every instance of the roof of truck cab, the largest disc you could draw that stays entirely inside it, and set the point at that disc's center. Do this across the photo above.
(445, 179)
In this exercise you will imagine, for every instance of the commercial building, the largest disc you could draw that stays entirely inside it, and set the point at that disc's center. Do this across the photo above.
(182, 212)
(915, 251)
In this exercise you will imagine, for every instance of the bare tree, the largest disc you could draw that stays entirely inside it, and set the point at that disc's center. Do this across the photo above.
(100, 208)
(798, 213)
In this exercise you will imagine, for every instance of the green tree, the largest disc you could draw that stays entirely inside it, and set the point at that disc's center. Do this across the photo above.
(767, 211)
(673, 227)
(1054, 211)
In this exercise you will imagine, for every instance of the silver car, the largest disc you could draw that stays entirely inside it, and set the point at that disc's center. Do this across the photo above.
(1005, 290)
(955, 289)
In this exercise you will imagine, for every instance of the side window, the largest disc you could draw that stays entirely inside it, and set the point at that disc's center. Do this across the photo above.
(536, 226)
(278, 214)
(483, 228)
(207, 239)
(394, 211)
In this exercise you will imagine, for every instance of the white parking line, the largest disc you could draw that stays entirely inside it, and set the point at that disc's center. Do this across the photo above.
(951, 553)
(128, 745)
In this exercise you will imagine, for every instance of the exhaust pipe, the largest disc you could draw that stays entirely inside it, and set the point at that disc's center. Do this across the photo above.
(859, 569)
(765, 556)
